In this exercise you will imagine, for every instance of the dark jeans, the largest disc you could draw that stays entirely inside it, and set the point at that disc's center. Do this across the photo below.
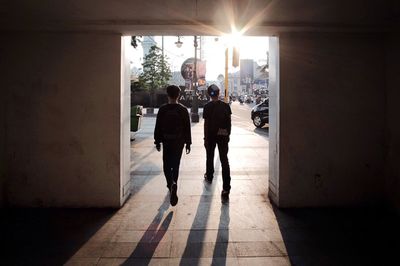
(222, 142)
(172, 153)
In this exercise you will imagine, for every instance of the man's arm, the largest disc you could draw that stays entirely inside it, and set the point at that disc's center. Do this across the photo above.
(157, 129)
(205, 117)
(229, 119)
(187, 128)
(205, 128)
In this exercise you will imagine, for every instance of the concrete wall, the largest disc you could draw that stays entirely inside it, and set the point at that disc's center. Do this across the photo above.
(331, 119)
(63, 94)
(392, 122)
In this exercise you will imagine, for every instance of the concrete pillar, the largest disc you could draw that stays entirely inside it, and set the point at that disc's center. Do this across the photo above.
(274, 109)
(125, 120)
(64, 119)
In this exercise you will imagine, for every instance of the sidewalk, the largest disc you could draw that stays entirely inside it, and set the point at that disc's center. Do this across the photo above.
(200, 229)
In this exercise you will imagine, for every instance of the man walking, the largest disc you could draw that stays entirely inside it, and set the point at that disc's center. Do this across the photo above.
(173, 131)
(217, 129)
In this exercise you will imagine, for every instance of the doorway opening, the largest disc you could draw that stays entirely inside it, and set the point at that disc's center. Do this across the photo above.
(249, 79)
(202, 225)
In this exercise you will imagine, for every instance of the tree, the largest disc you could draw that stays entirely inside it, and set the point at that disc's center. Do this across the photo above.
(156, 71)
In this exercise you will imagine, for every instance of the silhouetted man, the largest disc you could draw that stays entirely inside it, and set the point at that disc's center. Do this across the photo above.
(217, 129)
(173, 131)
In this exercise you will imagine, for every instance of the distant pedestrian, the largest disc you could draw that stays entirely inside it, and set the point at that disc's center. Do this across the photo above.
(173, 131)
(217, 129)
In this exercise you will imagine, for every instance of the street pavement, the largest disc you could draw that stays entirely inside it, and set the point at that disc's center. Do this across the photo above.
(201, 230)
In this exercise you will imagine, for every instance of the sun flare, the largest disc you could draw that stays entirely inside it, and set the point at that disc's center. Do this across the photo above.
(234, 39)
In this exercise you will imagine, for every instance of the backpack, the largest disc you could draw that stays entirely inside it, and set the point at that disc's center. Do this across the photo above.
(219, 118)
(172, 124)
(221, 115)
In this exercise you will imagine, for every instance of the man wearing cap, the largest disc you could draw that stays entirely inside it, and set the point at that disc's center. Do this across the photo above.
(217, 129)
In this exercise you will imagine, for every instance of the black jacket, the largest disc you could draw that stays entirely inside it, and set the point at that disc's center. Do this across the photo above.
(216, 114)
(184, 114)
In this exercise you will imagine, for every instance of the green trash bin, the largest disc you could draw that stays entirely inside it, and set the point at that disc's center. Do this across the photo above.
(136, 117)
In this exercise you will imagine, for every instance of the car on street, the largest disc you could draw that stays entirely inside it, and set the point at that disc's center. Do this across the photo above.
(260, 113)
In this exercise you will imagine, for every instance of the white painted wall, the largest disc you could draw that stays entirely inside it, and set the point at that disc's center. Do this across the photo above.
(274, 108)
(392, 165)
(63, 119)
(125, 128)
(332, 93)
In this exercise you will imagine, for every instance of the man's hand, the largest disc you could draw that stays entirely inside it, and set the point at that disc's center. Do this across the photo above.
(158, 146)
(187, 148)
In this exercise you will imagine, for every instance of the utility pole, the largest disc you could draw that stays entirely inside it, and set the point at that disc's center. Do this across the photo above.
(195, 106)
(226, 75)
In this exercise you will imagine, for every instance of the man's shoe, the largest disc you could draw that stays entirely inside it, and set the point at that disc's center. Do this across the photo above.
(173, 197)
(207, 179)
(224, 196)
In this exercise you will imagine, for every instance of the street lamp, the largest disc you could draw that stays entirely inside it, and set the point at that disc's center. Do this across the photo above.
(179, 43)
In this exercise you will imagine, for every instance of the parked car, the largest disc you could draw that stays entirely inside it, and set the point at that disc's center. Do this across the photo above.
(260, 113)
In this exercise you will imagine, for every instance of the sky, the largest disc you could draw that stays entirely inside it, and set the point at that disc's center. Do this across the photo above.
(214, 52)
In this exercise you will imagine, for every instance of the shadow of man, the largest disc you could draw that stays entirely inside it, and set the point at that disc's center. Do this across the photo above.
(151, 238)
(195, 242)
(221, 243)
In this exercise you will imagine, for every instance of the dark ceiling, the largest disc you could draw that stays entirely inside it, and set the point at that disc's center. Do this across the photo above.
(120, 13)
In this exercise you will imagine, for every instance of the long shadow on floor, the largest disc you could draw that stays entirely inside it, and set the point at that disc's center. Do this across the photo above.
(150, 240)
(195, 244)
(221, 244)
(335, 236)
(48, 236)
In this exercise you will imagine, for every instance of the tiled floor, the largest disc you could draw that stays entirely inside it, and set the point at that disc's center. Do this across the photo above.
(200, 230)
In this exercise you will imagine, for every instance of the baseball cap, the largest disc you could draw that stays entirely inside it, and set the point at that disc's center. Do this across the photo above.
(213, 90)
